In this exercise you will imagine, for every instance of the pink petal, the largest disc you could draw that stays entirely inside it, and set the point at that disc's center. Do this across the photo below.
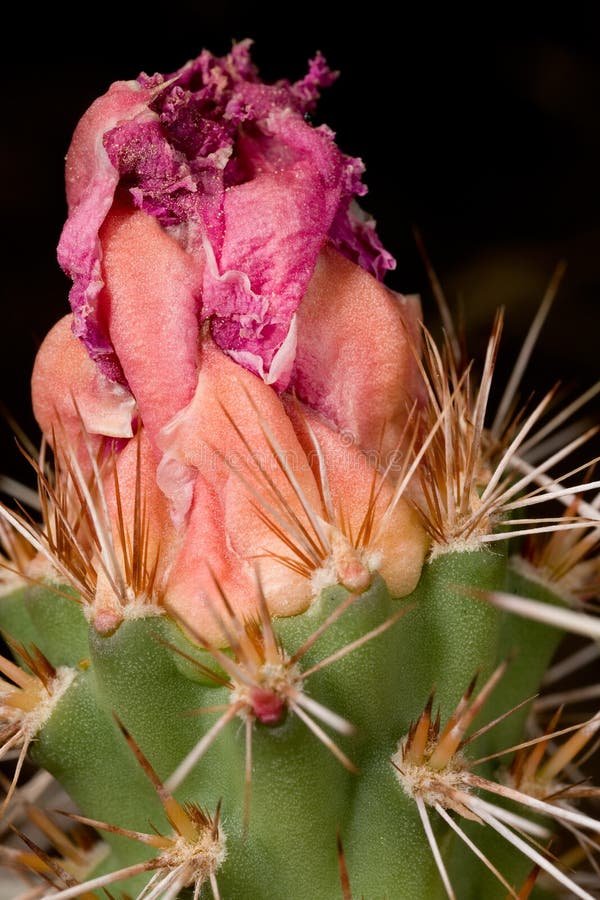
(152, 298)
(204, 560)
(204, 439)
(91, 182)
(86, 157)
(66, 384)
(401, 546)
(355, 360)
(274, 226)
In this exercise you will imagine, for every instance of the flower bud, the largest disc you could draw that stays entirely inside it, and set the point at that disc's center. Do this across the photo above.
(227, 304)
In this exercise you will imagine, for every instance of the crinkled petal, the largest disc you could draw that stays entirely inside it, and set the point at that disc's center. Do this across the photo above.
(308, 89)
(354, 234)
(232, 168)
(91, 182)
(275, 225)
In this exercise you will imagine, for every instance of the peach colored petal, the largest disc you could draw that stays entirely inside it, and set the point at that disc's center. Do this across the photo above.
(136, 482)
(153, 294)
(397, 551)
(65, 381)
(354, 362)
(144, 539)
(205, 558)
(237, 475)
(286, 592)
(228, 402)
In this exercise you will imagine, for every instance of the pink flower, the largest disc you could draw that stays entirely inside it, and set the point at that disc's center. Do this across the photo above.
(227, 302)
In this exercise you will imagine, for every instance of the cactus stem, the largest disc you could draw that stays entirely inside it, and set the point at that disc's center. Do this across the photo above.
(359, 642)
(197, 752)
(433, 770)
(264, 680)
(26, 702)
(189, 856)
(316, 729)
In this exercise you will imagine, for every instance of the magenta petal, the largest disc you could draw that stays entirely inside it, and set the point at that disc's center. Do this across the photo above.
(308, 89)
(231, 168)
(91, 183)
(353, 233)
(275, 225)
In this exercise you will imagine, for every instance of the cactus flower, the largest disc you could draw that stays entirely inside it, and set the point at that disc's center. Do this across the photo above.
(222, 267)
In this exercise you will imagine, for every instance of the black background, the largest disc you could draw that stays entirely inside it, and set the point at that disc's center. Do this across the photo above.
(484, 133)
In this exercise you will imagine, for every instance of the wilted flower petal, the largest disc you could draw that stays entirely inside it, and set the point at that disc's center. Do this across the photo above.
(230, 165)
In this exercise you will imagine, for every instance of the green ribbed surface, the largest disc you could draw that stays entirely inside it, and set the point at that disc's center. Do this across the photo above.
(301, 795)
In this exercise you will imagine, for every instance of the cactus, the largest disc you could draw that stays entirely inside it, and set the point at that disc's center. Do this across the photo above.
(278, 625)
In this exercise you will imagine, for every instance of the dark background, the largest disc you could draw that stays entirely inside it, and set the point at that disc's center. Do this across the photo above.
(484, 134)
